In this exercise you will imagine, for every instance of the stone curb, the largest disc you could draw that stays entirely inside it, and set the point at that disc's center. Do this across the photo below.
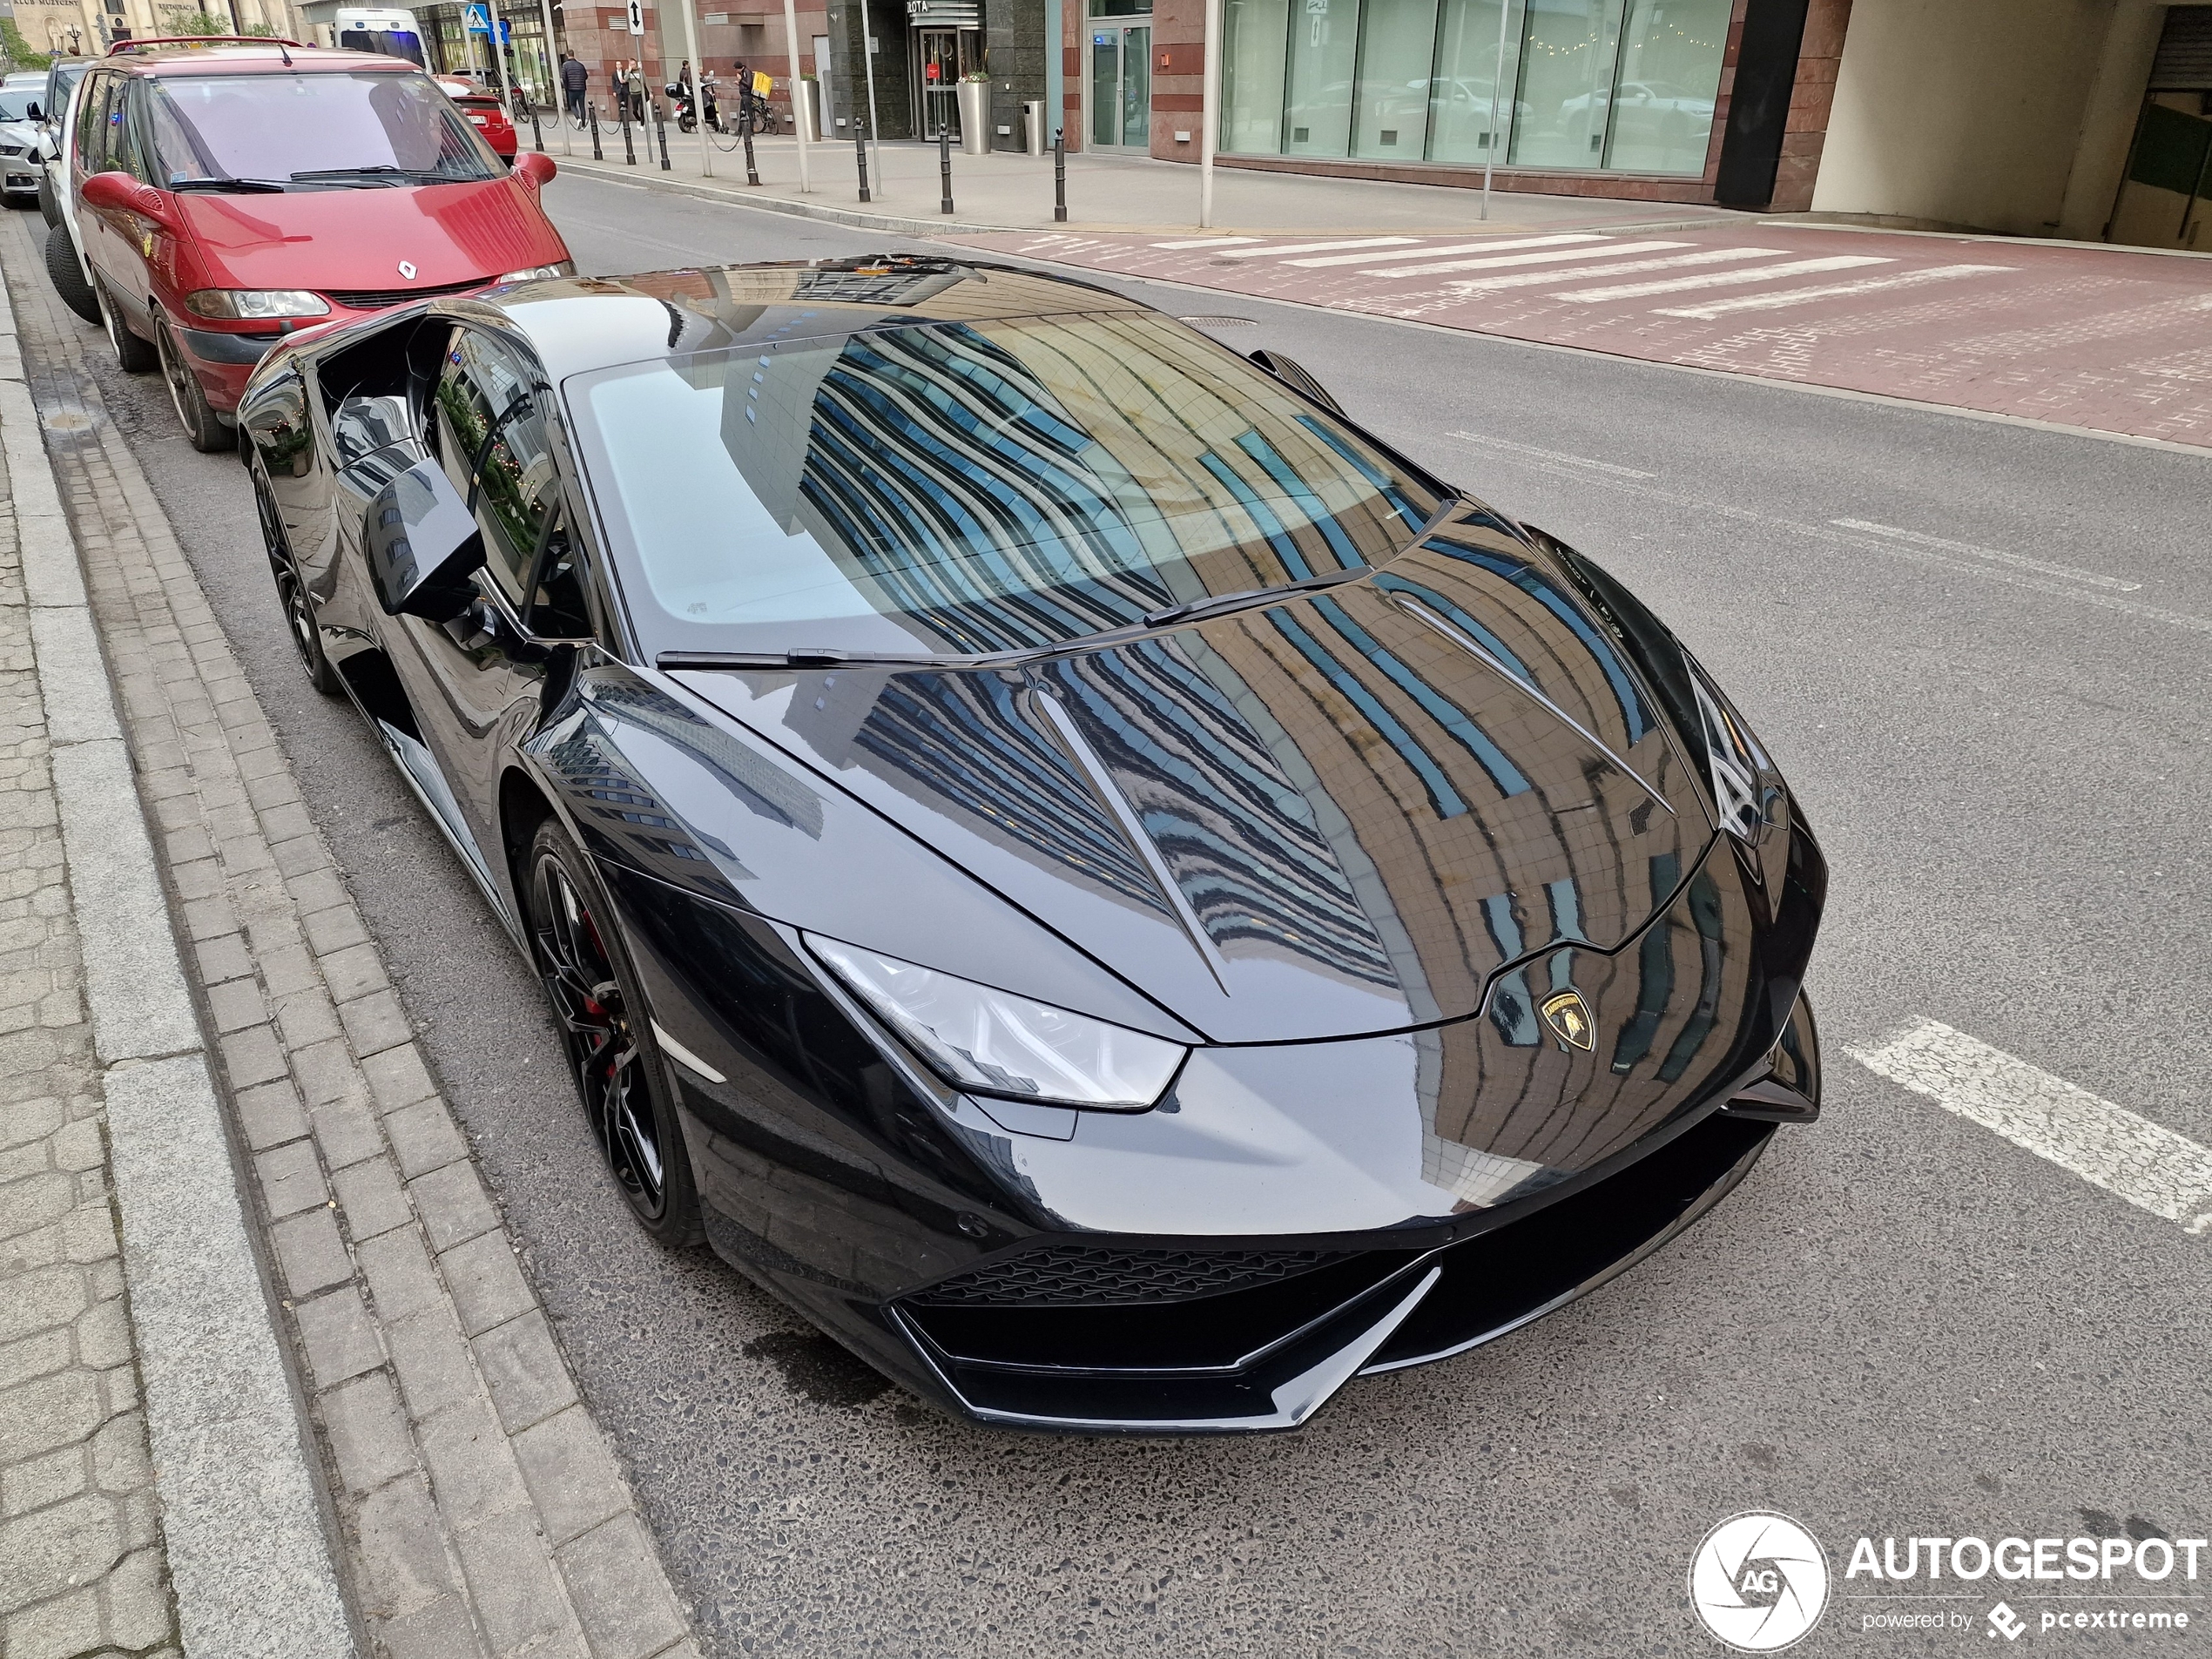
(249, 1564)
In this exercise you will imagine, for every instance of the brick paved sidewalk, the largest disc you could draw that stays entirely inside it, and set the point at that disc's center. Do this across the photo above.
(2108, 340)
(479, 1510)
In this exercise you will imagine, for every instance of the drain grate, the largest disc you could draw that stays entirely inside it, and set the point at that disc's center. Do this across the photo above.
(1221, 322)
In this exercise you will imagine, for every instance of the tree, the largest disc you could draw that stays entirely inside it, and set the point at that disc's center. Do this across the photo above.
(181, 22)
(17, 49)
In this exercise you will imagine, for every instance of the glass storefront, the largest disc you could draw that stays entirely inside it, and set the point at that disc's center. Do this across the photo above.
(1616, 85)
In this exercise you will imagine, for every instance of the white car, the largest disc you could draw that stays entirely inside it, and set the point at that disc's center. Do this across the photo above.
(64, 251)
(21, 139)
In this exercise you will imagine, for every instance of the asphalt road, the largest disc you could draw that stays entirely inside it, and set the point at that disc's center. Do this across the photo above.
(1901, 1324)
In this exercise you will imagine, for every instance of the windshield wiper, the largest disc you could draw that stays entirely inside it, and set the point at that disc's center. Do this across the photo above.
(1198, 610)
(809, 657)
(382, 172)
(255, 185)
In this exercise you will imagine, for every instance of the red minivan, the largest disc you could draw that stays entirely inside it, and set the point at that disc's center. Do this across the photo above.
(230, 192)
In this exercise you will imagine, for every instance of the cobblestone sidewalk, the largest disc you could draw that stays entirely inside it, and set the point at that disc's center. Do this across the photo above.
(478, 1509)
(82, 1569)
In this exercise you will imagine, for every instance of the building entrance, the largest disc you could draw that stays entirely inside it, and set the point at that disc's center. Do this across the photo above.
(1118, 89)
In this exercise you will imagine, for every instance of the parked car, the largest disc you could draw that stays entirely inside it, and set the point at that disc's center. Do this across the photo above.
(1122, 898)
(62, 76)
(22, 139)
(485, 112)
(229, 194)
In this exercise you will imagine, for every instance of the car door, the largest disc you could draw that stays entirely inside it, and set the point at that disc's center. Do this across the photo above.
(120, 244)
(476, 682)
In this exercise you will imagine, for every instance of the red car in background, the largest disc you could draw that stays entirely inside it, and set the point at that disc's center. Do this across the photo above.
(230, 192)
(485, 112)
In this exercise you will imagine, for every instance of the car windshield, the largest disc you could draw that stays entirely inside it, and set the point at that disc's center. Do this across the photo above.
(321, 125)
(972, 488)
(15, 106)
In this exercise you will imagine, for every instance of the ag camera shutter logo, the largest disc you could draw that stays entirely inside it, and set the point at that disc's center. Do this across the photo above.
(1759, 1581)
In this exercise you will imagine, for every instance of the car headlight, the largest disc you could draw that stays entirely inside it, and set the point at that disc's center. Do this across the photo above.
(538, 273)
(250, 304)
(993, 1044)
(1740, 771)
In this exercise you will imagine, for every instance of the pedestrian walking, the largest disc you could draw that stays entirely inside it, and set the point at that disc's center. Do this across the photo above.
(574, 75)
(637, 90)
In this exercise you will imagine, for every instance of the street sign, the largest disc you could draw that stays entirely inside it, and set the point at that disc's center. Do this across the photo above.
(637, 17)
(475, 20)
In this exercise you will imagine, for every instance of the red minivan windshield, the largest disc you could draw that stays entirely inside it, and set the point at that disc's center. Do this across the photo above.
(314, 129)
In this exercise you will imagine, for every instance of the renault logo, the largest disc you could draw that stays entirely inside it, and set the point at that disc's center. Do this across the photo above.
(1569, 1019)
(407, 269)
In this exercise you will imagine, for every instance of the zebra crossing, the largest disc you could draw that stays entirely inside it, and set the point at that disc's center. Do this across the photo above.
(1580, 268)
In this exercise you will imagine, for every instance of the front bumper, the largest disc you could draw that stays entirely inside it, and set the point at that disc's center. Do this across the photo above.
(1268, 1356)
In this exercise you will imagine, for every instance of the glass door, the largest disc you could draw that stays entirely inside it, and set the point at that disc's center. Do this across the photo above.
(940, 50)
(1120, 84)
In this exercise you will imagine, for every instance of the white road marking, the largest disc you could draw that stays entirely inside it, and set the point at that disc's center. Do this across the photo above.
(1724, 279)
(1207, 241)
(1834, 290)
(1996, 555)
(1490, 246)
(2108, 1146)
(1548, 455)
(1518, 259)
(1320, 248)
(1625, 267)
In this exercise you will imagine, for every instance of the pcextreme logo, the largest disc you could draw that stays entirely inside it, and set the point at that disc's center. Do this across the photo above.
(1759, 1581)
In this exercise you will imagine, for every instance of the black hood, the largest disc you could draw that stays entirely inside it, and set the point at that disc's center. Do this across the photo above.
(1336, 815)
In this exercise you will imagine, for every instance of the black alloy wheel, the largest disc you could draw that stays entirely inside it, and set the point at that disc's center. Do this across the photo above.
(607, 1032)
(132, 355)
(202, 425)
(291, 592)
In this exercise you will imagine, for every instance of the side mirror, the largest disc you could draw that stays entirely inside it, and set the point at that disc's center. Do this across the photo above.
(119, 192)
(422, 545)
(1287, 371)
(535, 169)
(32, 112)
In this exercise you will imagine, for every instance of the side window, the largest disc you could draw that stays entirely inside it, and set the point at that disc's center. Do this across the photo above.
(131, 103)
(491, 438)
(492, 441)
(91, 124)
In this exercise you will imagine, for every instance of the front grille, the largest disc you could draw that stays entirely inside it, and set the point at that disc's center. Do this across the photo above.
(378, 298)
(1082, 1276)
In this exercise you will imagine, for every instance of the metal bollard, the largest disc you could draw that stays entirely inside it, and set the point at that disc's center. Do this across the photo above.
(591, 114)
(660, 126)
(745, 126)
(945, 165)
(629, 138)
(860, 150)
(537, 133)
(1059, 175)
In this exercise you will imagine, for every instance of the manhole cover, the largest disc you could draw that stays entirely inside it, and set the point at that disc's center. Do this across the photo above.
(68, 421)
(1221, 322)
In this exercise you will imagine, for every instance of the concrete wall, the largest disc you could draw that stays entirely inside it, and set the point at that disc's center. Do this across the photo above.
(1976, 113)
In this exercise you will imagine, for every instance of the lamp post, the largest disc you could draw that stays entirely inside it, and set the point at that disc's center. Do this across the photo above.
(798, 125)
(1497, 74)
(1209, 114)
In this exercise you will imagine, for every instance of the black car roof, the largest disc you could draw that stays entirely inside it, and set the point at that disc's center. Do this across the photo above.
(580, 323)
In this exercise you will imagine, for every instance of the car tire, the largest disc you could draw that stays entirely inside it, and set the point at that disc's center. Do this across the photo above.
(21, 201)
(607, 1032)
(291, 591)
(132, 355)
(47, 210)
(66, 272)
(188, 397)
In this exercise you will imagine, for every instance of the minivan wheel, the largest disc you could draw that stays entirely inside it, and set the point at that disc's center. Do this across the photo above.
(202, 425)
(132, 355)
(66, 272)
